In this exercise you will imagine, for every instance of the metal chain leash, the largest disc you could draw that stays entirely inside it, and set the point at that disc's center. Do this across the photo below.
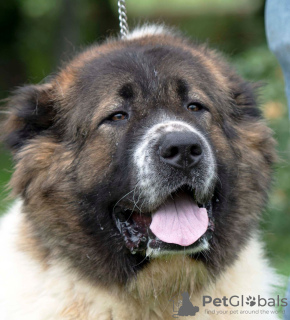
(124, 29)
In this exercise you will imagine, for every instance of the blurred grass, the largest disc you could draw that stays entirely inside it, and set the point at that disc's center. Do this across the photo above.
(185, 7)
(5, 173)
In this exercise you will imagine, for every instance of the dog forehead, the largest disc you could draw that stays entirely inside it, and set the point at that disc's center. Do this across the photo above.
(154, 71)
(142, 64)
(154, 76)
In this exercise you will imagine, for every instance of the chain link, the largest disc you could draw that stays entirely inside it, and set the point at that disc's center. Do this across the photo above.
(124, 29)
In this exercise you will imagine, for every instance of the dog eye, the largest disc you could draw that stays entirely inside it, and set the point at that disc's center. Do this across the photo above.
(119, 116)
(194, 107)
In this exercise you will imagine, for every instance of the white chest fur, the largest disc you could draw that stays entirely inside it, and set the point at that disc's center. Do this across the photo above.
(28, 291)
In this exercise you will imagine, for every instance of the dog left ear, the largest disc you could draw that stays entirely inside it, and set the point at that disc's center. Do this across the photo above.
(245, 97)
(31, 112)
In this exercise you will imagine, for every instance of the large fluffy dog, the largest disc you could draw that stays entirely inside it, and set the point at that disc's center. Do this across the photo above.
(141, 169)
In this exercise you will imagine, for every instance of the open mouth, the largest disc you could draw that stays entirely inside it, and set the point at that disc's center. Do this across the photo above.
(180, 223)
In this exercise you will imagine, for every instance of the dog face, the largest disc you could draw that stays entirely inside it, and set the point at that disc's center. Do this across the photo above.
(138, 148)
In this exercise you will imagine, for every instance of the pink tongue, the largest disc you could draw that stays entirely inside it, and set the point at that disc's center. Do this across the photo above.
(179, 220)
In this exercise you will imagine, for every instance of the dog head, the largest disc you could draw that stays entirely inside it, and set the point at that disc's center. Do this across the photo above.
(140, 147)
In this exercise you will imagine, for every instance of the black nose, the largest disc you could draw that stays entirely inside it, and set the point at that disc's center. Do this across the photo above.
(181, 150)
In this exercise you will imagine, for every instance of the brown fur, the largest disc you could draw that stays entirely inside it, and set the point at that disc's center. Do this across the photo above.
(66, 163)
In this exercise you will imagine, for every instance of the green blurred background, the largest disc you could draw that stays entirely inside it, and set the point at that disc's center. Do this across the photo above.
(37, 36)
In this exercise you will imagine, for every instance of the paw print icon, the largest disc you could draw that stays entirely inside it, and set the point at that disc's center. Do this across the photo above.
(251, 301)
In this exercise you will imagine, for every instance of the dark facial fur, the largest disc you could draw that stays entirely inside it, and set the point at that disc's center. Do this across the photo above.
(73, 164)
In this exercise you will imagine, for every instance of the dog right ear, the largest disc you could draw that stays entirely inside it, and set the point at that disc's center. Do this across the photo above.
(31, 112)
